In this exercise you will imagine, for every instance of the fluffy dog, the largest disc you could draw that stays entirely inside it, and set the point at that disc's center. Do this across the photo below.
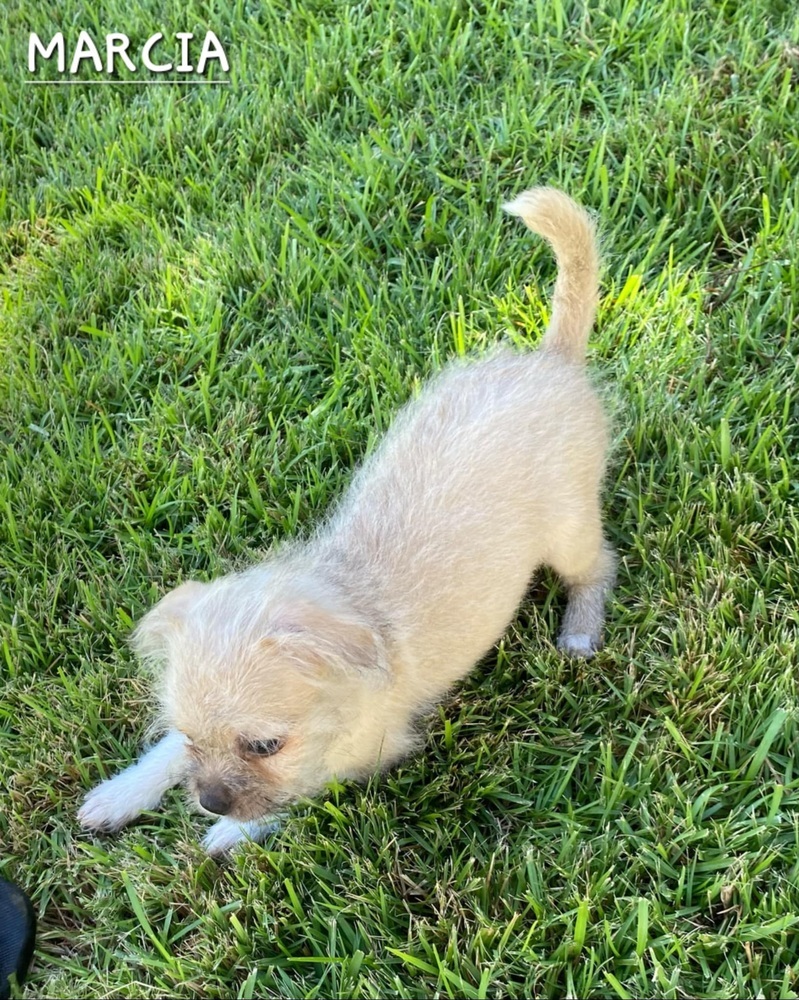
(318, 662)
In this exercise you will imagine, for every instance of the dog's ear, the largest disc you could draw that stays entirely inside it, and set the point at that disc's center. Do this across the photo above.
(151, 635)
(313, 636)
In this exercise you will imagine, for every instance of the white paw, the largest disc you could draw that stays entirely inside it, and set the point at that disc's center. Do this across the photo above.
(226, 834)
(578, 644)
(139, 787)
(114, 803)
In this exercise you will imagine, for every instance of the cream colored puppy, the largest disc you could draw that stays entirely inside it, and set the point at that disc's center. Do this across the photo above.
(318, 662)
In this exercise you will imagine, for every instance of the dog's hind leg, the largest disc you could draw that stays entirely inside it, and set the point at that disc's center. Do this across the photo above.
(588, 568)
(117, 801)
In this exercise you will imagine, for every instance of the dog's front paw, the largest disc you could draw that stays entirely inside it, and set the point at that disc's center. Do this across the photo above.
(111, 805)
(578, 644)
(226, 834)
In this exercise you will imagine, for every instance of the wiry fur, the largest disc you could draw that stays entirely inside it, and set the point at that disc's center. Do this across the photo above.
(337, 645)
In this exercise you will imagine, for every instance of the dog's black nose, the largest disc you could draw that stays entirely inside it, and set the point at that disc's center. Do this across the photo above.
(216, 800)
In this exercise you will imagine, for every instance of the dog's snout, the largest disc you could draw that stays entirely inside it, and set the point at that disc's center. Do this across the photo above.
(216, 799)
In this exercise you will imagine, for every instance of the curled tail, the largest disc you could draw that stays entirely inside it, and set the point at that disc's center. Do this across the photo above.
(570, 232)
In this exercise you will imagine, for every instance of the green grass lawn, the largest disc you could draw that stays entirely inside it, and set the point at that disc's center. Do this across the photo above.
(213, 300)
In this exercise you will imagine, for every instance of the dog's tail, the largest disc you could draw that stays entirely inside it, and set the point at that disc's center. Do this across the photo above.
(570, 232)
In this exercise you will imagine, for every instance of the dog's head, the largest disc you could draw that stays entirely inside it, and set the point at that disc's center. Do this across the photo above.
(272, 680)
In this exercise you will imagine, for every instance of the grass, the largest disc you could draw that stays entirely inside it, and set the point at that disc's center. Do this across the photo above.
(214, 298)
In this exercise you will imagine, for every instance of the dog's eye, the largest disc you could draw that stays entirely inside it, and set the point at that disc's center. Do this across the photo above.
(263, 748)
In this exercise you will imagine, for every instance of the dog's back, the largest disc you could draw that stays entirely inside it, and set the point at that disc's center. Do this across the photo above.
(493, 471)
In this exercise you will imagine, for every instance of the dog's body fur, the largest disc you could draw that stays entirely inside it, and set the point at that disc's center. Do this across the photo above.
(332, 649)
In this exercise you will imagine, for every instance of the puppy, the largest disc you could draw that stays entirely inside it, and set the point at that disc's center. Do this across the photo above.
(318, 662)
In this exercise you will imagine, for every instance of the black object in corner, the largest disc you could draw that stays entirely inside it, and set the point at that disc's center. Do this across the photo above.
(17, 934)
